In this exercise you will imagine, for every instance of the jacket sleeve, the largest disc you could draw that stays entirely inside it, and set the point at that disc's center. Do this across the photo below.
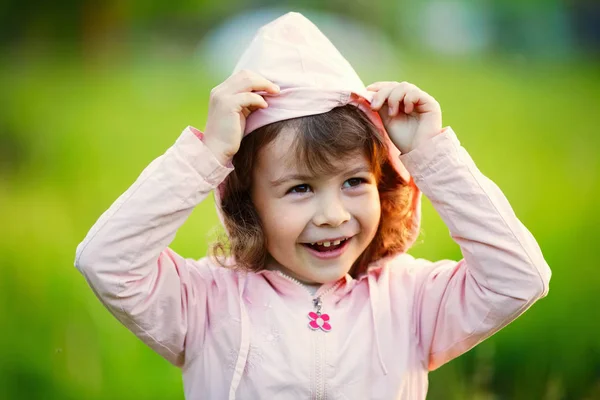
(125, 258)
(503, 271)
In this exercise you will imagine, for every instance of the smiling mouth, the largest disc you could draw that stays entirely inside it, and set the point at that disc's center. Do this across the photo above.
(324, 247)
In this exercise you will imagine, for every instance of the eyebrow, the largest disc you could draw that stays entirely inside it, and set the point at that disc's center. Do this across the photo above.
(300, 177)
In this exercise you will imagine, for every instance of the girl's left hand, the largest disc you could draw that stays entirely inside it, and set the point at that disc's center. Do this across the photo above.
(410, 116)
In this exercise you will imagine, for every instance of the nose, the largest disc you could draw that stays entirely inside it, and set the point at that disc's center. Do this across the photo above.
(331, 211)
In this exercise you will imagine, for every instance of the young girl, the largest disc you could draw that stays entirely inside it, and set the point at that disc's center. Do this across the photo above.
(318, 297)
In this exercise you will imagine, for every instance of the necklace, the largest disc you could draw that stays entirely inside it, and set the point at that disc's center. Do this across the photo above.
(318, 320)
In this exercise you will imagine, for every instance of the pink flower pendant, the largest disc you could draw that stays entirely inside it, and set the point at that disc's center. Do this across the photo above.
(319, 321)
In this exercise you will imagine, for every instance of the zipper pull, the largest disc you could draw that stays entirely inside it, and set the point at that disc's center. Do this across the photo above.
(317, 303)
(318, 320)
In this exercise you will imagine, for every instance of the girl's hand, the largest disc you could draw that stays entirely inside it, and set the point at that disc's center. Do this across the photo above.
(410, 116)
(230, 104)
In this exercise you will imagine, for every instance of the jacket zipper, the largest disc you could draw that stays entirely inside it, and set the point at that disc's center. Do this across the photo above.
(320, 393)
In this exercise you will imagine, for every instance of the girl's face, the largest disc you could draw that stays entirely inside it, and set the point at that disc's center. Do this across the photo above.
(297, 209)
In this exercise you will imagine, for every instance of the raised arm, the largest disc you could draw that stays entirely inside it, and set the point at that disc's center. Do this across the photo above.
(125, 257)
(503, 272)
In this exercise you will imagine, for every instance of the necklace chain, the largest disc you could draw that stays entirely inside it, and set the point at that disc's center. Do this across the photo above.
(316, 300)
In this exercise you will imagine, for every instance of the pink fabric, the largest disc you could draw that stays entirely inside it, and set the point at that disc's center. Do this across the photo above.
(199, 134)
(245, 335)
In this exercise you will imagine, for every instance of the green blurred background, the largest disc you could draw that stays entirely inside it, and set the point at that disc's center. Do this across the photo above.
(91, 92)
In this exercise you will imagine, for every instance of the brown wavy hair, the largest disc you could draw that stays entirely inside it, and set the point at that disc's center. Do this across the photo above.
(318, 140)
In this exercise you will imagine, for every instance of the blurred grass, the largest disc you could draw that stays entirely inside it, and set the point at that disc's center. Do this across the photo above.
(75, 135)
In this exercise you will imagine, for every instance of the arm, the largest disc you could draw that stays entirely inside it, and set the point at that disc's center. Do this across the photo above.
(503, 272)
(125, 258)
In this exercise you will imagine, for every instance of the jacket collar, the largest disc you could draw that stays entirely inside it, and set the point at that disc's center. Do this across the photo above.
(286, 285)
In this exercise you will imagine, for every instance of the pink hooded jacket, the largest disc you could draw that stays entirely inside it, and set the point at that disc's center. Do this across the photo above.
(240, 335)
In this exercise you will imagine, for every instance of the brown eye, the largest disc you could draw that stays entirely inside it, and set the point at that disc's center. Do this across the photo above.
(353, 182)
(304, 188)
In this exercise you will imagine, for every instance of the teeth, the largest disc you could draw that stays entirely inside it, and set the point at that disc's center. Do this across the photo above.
(328, 244)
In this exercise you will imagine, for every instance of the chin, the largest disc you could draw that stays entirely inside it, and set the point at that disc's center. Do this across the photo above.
(327, 274)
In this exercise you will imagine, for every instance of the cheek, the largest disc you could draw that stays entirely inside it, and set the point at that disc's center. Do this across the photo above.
(283, 222)
(369, 212)
(274, 216)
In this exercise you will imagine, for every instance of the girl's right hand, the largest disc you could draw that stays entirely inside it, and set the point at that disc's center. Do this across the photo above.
(230, 104)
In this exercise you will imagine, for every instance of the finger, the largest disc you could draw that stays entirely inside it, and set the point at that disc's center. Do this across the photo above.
(247, 81)
(410, 100)
(375, 86)
(419, 101)
(381, 95)
(396, 97)
(250, 100)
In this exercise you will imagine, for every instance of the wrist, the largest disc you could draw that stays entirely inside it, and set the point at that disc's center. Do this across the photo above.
(218, 152)
(417, 141)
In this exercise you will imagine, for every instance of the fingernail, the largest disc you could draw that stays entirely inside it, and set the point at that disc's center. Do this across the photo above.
(390, 111)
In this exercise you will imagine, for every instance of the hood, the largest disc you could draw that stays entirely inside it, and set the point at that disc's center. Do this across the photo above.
(314, 78)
